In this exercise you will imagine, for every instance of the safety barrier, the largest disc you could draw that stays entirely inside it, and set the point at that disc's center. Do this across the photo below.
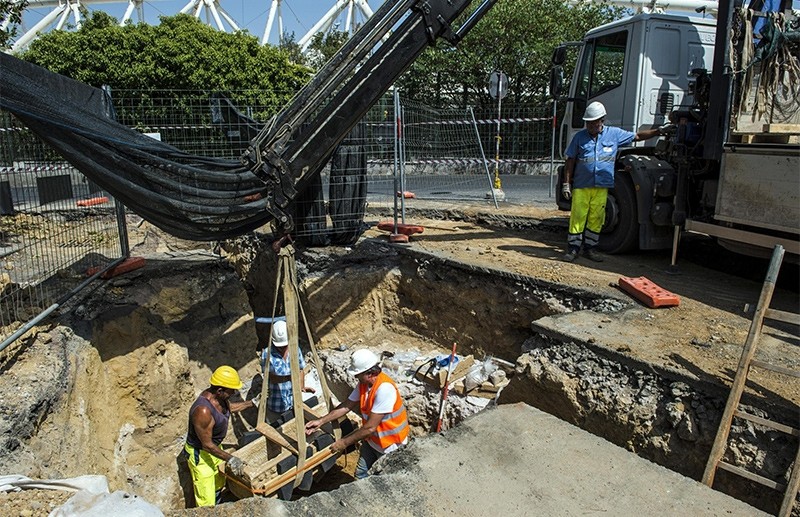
(55, 225)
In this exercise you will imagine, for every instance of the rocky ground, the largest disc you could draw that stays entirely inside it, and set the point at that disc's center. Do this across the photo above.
(133, 354)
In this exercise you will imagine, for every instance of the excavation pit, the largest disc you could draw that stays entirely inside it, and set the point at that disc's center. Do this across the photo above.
(107, 391)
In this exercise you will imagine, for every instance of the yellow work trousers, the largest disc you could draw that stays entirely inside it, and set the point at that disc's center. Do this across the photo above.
(206, 477)
(587, 215)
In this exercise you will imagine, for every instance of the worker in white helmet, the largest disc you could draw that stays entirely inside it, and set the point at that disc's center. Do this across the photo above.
(589, 173)
(280, 397)
(377, 399)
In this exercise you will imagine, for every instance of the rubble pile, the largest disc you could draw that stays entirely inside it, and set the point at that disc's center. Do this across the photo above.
(422, 398)
(663, 419)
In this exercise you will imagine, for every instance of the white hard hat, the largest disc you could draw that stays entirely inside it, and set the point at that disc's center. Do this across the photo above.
(280, 337)
(361, 361)
(594, 111)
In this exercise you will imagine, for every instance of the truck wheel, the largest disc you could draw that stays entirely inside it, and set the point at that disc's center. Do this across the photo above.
(621, 230)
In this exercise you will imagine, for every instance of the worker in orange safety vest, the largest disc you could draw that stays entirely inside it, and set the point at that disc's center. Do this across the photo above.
(376, 398)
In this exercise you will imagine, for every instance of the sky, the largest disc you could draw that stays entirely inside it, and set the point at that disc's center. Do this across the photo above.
(299, 16)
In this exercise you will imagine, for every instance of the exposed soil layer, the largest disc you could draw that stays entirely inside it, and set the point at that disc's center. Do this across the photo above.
(105, 390)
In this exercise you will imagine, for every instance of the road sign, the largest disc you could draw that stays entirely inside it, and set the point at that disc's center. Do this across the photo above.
(498, 85)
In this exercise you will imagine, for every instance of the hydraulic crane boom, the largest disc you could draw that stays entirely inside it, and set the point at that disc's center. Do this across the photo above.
(209, 198)
(295, 144)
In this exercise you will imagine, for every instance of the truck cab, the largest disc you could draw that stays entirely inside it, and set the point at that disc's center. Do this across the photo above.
(640, 69)
(731, 168)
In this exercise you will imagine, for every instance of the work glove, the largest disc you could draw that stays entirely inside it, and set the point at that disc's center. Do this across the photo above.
(566, 191)
(667, 129)
(237, 466)
(255, 400)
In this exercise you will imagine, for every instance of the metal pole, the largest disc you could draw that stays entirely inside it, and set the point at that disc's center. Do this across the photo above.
(402, 147)
(396, 152)
(32, 323)
(483, 156)
(122, 225)
(552, 149)
(497, 183)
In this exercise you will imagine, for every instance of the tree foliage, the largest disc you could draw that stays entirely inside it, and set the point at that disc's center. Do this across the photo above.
(516, 37)
(180, 53)
(323, 46)
(10, 17)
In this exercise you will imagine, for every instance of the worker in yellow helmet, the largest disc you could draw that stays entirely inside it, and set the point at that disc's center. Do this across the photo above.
(208, 425)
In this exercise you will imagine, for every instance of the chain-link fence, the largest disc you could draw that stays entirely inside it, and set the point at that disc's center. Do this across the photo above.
(442, 156)
(55, 224)
(57, 229)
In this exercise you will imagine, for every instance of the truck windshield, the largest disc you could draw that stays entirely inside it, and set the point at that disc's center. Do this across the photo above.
(600, 70)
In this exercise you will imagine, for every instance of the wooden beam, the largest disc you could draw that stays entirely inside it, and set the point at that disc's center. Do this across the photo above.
(287, 477)
(272, 434)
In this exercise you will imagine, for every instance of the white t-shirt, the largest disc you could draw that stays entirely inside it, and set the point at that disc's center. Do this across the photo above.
(385, 399)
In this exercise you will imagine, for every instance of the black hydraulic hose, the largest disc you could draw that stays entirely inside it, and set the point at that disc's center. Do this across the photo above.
(431, 362)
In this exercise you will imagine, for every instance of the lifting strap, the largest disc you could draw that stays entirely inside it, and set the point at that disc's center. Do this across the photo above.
(286, 284)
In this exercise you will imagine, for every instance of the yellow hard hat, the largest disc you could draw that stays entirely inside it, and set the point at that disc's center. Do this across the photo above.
(226, 377)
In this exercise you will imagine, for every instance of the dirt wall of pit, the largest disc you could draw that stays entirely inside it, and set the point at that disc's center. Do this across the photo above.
(107, 391)
(113, 384)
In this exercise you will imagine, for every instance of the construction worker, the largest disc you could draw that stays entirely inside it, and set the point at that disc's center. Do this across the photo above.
(280, 373)
(208, 426)
(376, 398)
(589, 173)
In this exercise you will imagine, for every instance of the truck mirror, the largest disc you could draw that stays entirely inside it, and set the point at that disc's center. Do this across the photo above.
(556, 81)
(559, 55)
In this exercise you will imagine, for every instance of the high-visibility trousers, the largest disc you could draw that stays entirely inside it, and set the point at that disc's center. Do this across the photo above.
(206, 477)
(587, 215)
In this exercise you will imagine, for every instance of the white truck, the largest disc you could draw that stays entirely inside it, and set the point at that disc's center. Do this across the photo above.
(731, 169)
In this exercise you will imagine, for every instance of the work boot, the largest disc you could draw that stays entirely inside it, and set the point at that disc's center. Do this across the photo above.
(593, 254)
(570, 256)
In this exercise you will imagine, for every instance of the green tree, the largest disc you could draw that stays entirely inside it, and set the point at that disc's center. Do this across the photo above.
(323, 46)
(180, 53)
(517, 37)
(10, 16)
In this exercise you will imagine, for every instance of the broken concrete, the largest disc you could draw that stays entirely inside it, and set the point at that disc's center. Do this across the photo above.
(513, 460)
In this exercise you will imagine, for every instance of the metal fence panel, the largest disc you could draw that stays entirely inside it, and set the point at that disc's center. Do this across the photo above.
(54, 227)
(55, 224)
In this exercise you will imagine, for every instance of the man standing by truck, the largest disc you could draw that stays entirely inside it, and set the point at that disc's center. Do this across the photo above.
(588, 174)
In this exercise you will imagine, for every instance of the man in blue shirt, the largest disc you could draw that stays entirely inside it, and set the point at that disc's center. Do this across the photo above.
(280, 372)
(589, 173)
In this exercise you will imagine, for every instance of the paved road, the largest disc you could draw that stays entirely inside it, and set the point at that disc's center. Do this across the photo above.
(519, 189)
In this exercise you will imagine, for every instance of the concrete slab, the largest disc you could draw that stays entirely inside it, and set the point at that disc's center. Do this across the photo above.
(513, 460)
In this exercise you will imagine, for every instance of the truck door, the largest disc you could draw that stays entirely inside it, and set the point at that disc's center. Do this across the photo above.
(598, 77)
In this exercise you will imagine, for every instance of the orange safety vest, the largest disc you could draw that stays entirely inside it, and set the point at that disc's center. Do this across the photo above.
(393, 428)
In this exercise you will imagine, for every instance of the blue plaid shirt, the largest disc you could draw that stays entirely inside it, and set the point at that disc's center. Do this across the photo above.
(280, 394)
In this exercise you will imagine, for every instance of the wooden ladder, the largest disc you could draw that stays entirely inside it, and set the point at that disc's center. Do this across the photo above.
(747, 360)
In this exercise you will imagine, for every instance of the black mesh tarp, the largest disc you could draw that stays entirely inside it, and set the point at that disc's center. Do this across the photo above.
(347, 192)
(191, 197)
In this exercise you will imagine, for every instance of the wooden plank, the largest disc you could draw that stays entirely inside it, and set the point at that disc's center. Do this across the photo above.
(792, 488)
(768, 423)
(752, 477)
(287, 477)
(775, 368)
(784, 316)
(272, 434)
(311, 412)
(791, 129)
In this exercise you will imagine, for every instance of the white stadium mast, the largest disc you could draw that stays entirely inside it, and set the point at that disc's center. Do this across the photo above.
(67, 13)
(356, 11)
